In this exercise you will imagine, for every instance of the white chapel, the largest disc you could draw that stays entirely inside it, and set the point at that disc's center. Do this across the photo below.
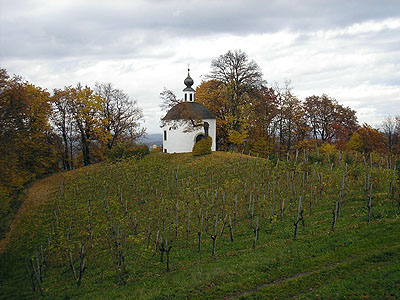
(176, 136)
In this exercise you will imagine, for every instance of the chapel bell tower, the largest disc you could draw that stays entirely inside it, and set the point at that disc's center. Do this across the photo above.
(188, 91)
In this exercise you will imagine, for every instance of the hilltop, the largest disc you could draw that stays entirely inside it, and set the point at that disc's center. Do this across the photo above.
(313, 226)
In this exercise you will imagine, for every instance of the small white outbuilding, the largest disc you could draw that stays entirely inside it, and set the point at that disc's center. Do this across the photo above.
(178, 134)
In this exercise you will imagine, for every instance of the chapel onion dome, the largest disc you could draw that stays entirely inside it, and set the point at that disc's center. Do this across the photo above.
(188, 82)
(186, 110)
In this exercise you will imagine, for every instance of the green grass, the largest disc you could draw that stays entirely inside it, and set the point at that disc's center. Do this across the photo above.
(358, 260)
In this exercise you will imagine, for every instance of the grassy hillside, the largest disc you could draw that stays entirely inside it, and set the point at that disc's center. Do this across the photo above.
(114, 218)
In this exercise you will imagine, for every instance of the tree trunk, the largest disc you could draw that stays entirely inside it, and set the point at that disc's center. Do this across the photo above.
(66, 156)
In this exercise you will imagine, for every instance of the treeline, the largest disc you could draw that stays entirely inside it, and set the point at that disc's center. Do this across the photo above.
(254, 116)
(43, 132)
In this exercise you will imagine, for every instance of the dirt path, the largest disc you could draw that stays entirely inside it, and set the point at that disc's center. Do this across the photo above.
(36, 195)
(277, 281)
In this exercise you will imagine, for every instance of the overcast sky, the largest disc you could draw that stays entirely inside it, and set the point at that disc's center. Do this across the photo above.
(347, 49)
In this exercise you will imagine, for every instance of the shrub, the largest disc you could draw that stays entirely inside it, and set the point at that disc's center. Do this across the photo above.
(202, 147)
(126, 150)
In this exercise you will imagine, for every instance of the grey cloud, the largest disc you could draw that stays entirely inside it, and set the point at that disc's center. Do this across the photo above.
(108, 28)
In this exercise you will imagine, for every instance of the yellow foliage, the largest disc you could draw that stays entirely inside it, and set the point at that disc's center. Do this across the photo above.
(356, 142)
(307, 144)
(236, 137)
(328, 148)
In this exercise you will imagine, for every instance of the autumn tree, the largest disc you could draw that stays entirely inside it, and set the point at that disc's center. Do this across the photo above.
(372, 139)
(239, 79)
(86, 111)
(94, 120)
(213, 95)
(62, 120)
(25, 132)
(344, 126)
(262, 125)
(290, 121)
(28, 147)
(356, 142)
(265, 108)
(391, 131)
(328, 120)
(121, 115)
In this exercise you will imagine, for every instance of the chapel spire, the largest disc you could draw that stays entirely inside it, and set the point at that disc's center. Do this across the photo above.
(188, 91)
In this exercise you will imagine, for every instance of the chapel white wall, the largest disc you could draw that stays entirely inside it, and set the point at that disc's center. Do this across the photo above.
(179, 141)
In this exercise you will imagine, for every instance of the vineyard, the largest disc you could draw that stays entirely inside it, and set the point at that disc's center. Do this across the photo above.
(225, 225)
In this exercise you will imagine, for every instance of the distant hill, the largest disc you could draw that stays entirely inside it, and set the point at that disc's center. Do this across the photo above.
(152, 139)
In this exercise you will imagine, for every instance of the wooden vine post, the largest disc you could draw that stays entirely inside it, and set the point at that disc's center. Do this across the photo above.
(256, 230)
(214, 236)
(230, 229)
(167, 250)
(369, 204)
(299, 218)
(200, 233)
